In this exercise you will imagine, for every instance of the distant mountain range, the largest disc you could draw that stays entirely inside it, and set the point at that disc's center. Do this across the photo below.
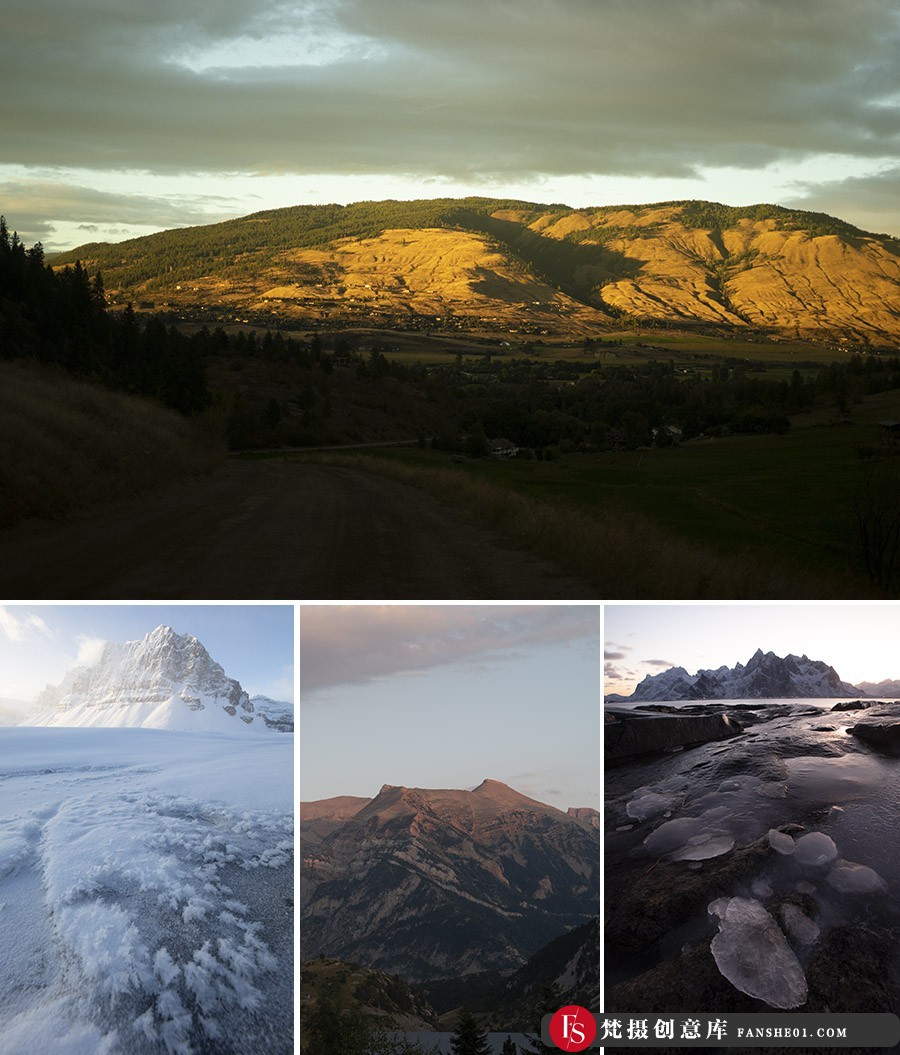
(443, 883)
(765, 676)
(520, 266)
(164, 681)
(887, 687)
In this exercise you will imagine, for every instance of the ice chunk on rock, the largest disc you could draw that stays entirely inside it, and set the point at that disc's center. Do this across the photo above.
(650, 805)
(800, 927)
(752, 953)
(703, 847)
(761, 888)
(815, 849)
(780, 843)
(851, 878)
(671, 835)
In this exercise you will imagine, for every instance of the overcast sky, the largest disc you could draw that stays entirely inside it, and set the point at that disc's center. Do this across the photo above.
(445, 696)
(858, 640)
(40, 643)
(119, 117)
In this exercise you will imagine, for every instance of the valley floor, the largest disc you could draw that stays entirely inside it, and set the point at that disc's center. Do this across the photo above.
(146, 893)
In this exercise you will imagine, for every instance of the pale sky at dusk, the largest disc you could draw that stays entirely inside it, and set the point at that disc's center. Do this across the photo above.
(445, 696)
(859, 641)
(120, 118)
(40, 643)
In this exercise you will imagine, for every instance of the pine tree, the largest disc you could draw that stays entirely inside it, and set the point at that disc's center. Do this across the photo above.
(509, 1048)
(468, 1038)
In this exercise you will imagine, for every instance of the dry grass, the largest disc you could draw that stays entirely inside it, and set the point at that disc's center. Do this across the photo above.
(622, 555)
(66, 445)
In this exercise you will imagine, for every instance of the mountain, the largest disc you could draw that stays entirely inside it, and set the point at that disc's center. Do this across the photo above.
(887, 687)
(438, 883)
(765, 676)
(532, 268)
(164, 681)
(322, 817)
(277, 714)
(382, 1000)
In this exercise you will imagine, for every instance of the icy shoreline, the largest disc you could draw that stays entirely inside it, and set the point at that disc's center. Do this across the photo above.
(784, 833)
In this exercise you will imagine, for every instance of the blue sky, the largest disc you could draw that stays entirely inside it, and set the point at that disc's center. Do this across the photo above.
(39, 643)
(858, 640)
(131, 117)
(445, 696)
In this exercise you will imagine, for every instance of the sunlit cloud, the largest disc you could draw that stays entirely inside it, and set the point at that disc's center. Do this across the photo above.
(90, 650)
(357, 644)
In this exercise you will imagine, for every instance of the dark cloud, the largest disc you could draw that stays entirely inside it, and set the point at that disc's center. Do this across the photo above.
(664, 663)
(874, 201)
(462, 90)
(342, 645)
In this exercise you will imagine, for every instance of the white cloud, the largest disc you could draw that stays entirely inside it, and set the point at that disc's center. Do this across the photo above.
(90, 649)
(17, 627)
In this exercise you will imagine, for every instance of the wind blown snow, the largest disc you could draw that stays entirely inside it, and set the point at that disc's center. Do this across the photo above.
(145, 892)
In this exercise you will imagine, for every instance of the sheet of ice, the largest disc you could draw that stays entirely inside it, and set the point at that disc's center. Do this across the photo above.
(780, 842)
(815, 849)
(851, 878)
(650, 804)
(832, 779)
(800, 927)
(673, 834)
(753, 954)
(704, 847)
(132, 917)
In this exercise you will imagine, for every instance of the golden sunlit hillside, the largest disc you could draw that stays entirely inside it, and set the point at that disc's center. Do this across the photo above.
(478, 264)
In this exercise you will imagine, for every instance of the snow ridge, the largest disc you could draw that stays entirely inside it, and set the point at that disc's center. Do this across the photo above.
(165, 681)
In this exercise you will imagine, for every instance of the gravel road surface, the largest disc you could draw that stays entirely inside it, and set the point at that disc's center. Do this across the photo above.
(274, 529)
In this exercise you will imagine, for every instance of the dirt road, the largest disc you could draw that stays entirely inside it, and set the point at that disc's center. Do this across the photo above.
(273, 529)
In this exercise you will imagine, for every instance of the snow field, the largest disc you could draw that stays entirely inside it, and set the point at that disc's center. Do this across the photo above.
(133, 867)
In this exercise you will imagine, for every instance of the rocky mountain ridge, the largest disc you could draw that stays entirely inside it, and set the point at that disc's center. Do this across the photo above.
(764, 676)
(480, 263)
(164, 681)
(436, 883)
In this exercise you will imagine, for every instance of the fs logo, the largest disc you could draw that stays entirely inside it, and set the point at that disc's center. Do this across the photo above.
(573, 1028)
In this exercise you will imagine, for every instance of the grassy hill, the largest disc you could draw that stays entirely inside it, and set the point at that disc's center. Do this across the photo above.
(487, 264)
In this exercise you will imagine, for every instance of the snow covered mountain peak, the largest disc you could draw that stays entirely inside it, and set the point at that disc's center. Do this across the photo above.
(764, 676)
(164, 681)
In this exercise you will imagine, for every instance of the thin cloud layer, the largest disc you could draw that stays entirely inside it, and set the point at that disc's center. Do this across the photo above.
(359, 644)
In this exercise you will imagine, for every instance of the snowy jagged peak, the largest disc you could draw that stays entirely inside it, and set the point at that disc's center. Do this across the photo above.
(164, 681)
(277, 714)
(764, 676)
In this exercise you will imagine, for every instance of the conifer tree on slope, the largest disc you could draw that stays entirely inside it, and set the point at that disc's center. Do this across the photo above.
(468, 1038)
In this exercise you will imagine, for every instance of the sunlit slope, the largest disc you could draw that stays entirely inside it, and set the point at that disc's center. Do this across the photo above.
(510, 264)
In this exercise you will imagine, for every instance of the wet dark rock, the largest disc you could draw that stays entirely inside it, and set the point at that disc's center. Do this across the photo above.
(647, 900)
(851, 705)
(884, 735)
(638, 734)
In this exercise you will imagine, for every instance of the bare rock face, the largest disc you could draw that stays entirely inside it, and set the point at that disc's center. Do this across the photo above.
(629, 733)
(882, 733)
(439, 883)
(165, 680)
